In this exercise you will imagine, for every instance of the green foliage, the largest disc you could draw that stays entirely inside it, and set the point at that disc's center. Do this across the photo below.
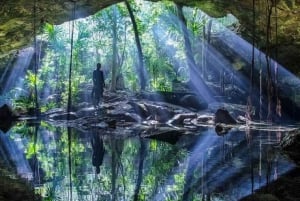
(162, 45)
(22, 103)
(32, 149)
(55, 36)
(21, 128)
(48, 106)
(32, 79)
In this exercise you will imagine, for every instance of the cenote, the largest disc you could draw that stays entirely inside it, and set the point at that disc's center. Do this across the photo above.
(199, 103)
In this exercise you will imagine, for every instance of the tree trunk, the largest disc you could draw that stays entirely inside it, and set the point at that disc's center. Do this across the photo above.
(196, 81)
(206, 43)
(140, 171)
(115, 53)
(139, 48)
(113, 169)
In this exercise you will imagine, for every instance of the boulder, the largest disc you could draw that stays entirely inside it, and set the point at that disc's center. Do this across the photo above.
(222, 116)
(192, 101)
(178, 119)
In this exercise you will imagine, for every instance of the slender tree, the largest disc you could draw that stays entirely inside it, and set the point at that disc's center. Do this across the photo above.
(115, 51)
(249, 101)
(139, 47)
(37, 107)
(140, 171)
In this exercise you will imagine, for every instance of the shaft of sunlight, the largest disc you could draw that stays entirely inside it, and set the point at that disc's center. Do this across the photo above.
(243, 48)
(14, 79)
(171, 48)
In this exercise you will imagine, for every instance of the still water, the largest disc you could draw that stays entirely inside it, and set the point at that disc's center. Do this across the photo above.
(61, 163)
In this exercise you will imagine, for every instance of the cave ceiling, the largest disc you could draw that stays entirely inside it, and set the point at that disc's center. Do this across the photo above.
(18, 17)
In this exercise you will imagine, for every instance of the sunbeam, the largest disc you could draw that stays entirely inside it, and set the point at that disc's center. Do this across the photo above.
(15, 77)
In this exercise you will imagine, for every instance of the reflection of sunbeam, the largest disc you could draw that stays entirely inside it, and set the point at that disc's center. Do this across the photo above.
(193, 160)
(216, 166)
(13, 150)
(235, 172)
(14, 79)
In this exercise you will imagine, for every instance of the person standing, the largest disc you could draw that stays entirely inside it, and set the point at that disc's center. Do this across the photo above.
(99, 84)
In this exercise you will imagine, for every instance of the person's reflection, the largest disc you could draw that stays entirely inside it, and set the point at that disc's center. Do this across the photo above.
(98, 151)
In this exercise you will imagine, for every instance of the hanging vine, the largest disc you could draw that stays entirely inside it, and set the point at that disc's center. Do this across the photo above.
(278, 102)
(71, 63)
(249, 101)
(36, 102)
(269, 8)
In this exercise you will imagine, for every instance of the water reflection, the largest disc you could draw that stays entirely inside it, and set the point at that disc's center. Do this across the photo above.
(98, 151)
(65, 164)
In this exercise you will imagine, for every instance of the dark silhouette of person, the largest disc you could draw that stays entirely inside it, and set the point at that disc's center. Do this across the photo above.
(98, 151)
(99, 84)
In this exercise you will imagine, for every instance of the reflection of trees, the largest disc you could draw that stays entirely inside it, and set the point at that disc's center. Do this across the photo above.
(116, 148)
(141, 166)
(229, 164)
(50, 149)
(140, 170)
(162, 162)
(146, 169)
